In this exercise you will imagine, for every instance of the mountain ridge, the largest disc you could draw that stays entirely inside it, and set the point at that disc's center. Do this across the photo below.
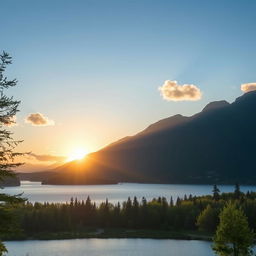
(205, 148)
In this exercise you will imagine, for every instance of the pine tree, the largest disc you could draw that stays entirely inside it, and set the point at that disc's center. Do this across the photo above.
(171, 202)
(135, 211)
(71, 201)
(88, 203)
(237, 192)
(8, 110)
(178, 201)
(216, 192)
(233, 236)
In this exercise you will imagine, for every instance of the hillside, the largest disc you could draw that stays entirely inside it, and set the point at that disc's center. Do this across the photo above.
(10, 182)
(35, 176)
(216, 145)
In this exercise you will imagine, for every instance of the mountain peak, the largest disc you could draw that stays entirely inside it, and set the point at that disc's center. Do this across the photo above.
(246, 97)
(215, 105)
(163, 124)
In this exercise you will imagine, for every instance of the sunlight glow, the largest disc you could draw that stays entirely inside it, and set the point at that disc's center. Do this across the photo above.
(77, 154)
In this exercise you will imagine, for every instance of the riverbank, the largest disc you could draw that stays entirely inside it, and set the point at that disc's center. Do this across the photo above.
(113, 233)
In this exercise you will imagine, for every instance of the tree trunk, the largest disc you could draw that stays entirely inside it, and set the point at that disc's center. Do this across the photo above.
(235, 250)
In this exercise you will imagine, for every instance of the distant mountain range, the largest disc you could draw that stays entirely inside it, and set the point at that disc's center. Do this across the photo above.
(10, 182)
(217, 145)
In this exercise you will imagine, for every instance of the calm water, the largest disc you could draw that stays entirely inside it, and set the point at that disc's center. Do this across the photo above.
(109, 247)
(35, 192)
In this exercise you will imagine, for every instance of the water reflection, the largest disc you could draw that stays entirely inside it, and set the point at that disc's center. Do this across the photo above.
(109, 247)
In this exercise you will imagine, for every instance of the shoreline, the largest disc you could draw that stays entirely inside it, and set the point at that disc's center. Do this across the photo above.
(42, 183)
(115, 234)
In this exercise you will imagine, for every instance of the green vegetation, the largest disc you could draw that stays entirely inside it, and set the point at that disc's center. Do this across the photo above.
(208, 218)
(190, 217)
(233, 235)
(8, 109)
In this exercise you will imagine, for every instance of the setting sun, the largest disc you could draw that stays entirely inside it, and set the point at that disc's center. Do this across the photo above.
(77, 154)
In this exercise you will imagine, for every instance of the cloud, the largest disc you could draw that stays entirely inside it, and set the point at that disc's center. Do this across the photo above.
(248, 87)
(38, 119)
(48, 158)
(172, 91)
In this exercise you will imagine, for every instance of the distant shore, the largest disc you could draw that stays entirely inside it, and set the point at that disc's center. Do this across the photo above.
(114, 233)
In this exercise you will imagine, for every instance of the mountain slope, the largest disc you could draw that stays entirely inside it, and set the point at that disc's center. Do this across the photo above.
(10, 182)
(215, 145)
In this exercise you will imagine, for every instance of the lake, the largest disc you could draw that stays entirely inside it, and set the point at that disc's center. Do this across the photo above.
(109, 247)
(35, 192)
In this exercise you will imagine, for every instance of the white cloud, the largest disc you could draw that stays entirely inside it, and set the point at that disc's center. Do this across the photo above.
(38, 119)
(248, 87)
(172, 91)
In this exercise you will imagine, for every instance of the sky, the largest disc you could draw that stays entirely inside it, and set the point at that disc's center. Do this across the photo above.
(93, 71)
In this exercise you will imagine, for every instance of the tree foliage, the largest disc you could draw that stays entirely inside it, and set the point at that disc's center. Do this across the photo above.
(78, 216)
(233, 236)
(216, 192)
(8, 110)
(208, 219)
(191, 213)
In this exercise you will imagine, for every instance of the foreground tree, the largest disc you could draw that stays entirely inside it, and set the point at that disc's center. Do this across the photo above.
(8, 109)
(233, 236)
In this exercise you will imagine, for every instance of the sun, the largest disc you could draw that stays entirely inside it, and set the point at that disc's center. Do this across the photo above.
(77, 154)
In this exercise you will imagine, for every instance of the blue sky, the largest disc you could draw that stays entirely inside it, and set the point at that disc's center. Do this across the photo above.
(94, 67)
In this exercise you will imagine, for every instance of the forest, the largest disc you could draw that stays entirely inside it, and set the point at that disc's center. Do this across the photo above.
(190, 213)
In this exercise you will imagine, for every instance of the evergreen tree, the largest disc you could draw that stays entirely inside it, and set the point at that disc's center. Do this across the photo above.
(233, 236)
(135, 211)
(88, 203)
(144, 212)
(128, 211)
(8, 110)
(237, 192)
(164, 212)
(171, 202)
(76, 202)
(106, 213)
(216, 192)
(144, 202)
(178, 201)
(71, 201)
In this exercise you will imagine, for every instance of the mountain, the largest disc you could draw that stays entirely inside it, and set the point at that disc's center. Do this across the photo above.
(37, 167)
(10, 182)
(217, 145)
(215, 105)
(35, 176)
